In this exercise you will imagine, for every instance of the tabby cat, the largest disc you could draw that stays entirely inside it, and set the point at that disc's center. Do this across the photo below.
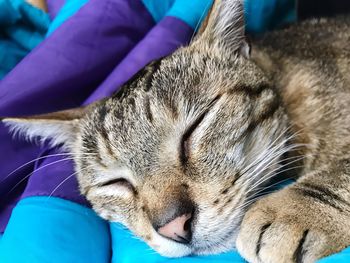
(183, 151)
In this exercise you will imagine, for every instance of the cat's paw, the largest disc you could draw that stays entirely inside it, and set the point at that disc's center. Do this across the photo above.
(289, 226)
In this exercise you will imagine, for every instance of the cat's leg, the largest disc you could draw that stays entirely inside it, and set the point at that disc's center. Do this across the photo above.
(301, 223)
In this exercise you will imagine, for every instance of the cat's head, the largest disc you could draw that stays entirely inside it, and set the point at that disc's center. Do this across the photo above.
(177, 154)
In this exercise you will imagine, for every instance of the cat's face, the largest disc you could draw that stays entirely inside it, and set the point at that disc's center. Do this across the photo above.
(192, 134)
(179, 152)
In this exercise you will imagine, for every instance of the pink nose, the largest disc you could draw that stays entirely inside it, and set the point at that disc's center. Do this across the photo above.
(179, 229)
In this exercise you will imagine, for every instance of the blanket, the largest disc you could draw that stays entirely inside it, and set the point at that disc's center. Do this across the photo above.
(22, 27)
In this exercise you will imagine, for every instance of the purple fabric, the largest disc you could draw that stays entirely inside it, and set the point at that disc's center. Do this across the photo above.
(76, 58)
(102, 46)
(53, 6)
(162, 40)
(54, 176)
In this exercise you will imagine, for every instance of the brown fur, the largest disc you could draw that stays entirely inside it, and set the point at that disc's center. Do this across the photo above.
(314, 83)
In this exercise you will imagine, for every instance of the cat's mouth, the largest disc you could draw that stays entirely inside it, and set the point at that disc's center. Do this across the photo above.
(202, 247)
(218, 234)
(200, 244)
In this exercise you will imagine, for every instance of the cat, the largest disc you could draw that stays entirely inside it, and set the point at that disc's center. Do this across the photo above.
(181, 154)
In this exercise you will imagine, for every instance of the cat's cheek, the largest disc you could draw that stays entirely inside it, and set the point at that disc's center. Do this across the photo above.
(114, 215)
(112, 203)
(114, 191)
(109, 194)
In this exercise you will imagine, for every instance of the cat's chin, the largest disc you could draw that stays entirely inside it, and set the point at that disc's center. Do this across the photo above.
(173, 251)
(168, 248)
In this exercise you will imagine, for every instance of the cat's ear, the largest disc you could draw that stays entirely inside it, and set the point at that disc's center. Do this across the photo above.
(59, 128)
(224, 27)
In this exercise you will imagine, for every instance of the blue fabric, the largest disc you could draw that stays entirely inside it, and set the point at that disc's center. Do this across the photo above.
(22, 28)
(68, 10)
(199, 9)
(268, 14)
(191, 12)
(158, 9)
(343, 257)
(128, 249)
(49, 229)
(260, 15)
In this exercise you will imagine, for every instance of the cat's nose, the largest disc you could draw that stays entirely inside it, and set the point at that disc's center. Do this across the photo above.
(178, 229)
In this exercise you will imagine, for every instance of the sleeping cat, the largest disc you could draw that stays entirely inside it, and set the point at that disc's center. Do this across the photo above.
(183, 151)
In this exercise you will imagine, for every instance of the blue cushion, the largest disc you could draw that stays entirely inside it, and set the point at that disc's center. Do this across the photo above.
(343, 257)
(50, 229)
(129, 249)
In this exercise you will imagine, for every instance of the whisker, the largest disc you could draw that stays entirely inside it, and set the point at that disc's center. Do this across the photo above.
(263, 154)
(66, 179)
(39, 158)
(58, 186)
(261, 192)
(263, 179)
(271, 155)
(294, 159)
(261, 189)
(251, 200)
(271, 174)
(254, 199)
(199, 21)
(274, 184)
(41, 167)
(265, 164)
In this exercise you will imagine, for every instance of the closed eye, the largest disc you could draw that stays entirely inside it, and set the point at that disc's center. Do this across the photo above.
(120, 182)
(184, 148)
(184, 151)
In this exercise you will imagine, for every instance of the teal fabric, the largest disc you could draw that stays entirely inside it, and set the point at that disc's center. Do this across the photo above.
(22, 28)
(343, 257)
(49, 229)
(260, 15)
(128, 249)
(68, 10)
(53, 230)
(158, 9)
(269, 14)
(191, 12)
